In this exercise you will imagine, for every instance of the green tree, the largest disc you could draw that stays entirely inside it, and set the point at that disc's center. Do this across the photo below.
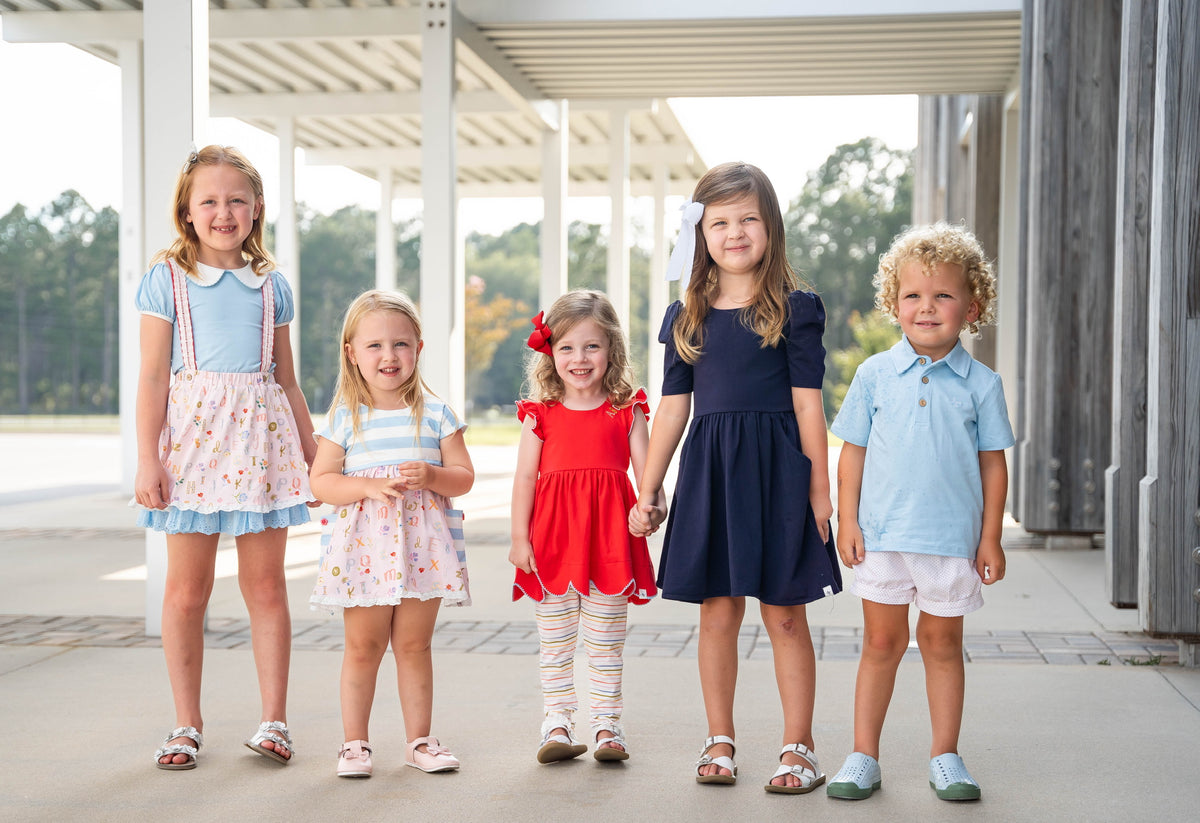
(843, 220)
(845, 217)
(873, 333)
(337, 253)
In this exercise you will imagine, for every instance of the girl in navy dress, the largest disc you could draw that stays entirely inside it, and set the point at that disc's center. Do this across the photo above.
(751, 511)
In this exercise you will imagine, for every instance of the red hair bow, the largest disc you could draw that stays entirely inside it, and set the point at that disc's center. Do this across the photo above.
(539, 338)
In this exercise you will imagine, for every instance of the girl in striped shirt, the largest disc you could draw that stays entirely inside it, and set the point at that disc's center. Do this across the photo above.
(389, 457)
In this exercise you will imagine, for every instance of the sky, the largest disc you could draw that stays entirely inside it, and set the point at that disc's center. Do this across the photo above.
(61, 130)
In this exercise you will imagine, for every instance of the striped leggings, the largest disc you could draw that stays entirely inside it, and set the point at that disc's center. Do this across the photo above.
(603, 618)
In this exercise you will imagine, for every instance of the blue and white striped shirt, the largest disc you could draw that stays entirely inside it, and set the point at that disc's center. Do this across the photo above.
(386, 436)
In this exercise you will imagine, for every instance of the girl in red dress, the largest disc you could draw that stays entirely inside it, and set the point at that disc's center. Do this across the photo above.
(582, 427)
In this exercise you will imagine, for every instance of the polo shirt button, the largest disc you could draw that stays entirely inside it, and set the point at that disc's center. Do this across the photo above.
(922, 401)
(925, 379)
(921, 360)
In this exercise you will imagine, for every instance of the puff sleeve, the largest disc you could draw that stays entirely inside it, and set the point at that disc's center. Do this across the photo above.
(677, 372)
(806, 353)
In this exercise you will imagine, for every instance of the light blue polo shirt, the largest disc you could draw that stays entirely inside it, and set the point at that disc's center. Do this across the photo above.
(923, 423)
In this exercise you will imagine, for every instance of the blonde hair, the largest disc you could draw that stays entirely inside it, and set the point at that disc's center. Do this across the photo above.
(185, 249)
(767, 313)
(351, 390)
(929, 246)
(567, 312)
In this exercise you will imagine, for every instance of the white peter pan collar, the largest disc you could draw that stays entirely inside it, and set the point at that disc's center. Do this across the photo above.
(208, 276)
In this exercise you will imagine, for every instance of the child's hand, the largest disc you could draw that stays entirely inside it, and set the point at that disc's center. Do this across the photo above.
(850, 543)
(989, 562)
(384, 489)
(822, 509)
(416, 474)
(521, 556)
(152, 485)
(644, 519)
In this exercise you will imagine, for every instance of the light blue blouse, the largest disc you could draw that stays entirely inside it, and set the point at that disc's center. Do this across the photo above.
(226, 311)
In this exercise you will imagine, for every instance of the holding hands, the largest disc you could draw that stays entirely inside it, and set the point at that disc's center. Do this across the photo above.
(646, 516)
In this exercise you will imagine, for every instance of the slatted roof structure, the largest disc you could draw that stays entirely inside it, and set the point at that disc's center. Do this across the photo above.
(349, 71)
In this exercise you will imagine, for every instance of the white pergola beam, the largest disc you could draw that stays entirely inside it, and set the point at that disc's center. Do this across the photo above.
(224, 24)
(677, 187)
(175, 90)
(442, 276)
(486, 60)
(555, 148)
(487, 12)
(502, 156)
(348, 104)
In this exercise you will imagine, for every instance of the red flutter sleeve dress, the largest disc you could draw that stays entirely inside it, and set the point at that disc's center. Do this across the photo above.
(579, 527)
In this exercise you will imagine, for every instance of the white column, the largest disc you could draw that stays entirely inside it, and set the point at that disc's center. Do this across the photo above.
(618, 186)
(658, 286)
(385, 232)
(287, 231)
(1008, 306)
(442, 280)
(131, 254)
(555, 145)
(175, 74)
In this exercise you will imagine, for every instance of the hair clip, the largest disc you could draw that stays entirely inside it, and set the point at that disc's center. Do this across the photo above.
(684, 253)
(539, 338)
(192, 158)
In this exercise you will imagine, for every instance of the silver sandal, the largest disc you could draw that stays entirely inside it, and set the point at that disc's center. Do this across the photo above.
(556, 747)
(277, 733)
(605, 750)
(179, 748)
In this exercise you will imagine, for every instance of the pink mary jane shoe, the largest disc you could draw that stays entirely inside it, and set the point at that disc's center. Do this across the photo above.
(435, 758)
(354, 760)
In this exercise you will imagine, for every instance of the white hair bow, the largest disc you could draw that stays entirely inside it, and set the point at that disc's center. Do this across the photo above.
(683, 255)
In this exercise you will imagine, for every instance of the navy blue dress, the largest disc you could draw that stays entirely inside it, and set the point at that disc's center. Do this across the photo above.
(741, 524)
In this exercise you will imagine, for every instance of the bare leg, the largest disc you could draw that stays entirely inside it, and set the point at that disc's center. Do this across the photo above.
(191, 560)
(796, 678)
(720, 619)
(940, 640)
(885, 638)
(264, 588)
(412, 636)
(367, 629)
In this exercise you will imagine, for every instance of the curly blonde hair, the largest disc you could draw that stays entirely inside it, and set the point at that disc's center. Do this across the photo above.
(767, 313)
(929, 246)
(567, 312)
(186, 247)
(351, 390)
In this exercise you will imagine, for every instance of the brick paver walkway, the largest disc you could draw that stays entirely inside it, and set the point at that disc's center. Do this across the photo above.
(644, 640)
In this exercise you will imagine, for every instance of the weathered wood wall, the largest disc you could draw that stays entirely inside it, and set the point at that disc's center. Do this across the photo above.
(1065, 444)
(1169, 523)
(958, 167)
(1130, 298)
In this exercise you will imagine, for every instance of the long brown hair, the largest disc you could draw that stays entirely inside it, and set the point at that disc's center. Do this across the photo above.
(767, 312)
(568, 311)
(185, 249)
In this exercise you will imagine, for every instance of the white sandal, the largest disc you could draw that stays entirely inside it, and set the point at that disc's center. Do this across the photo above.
(277, 733)
(606, 749)
(809, 778)
(556, 747)
(179, 748)
(722, 761)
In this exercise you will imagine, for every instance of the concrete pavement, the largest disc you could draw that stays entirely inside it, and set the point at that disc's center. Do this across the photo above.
(1065, 717)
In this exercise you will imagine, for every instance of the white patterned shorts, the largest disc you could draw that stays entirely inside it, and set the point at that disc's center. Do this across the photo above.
(940, 586)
